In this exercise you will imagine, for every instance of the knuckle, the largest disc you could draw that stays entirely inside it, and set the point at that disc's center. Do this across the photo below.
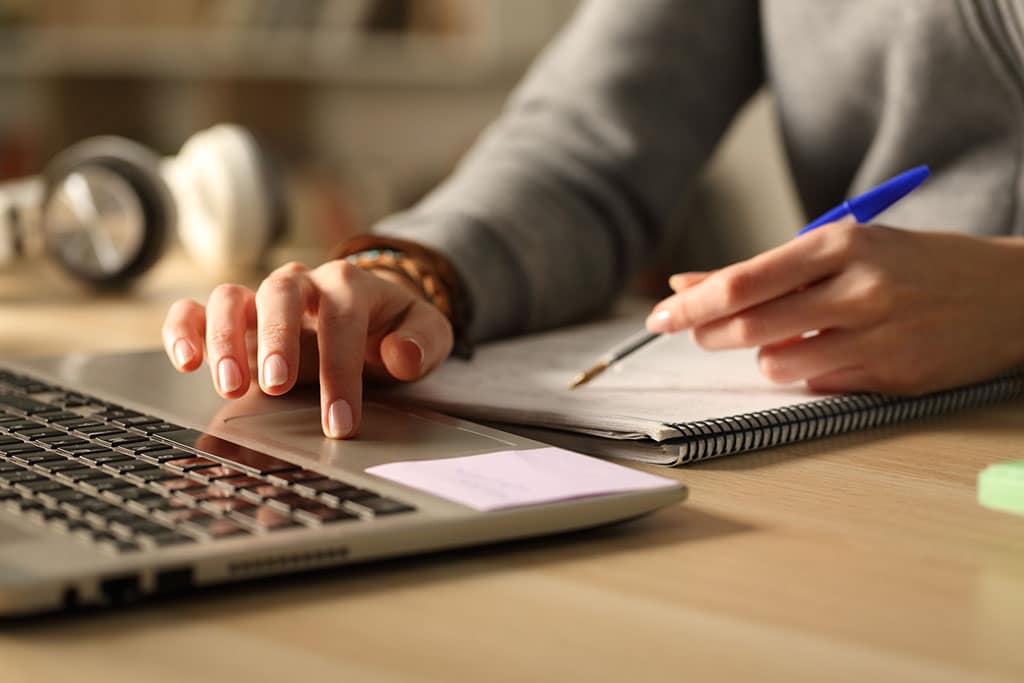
(735, 286)
(277, 283)
(772, 367)
(702, 338)
(342, 273)
(291, 268)
(874, 295)
(747, 329)
(905, 379)
(339, 317)
(840, 242)
(228, 292)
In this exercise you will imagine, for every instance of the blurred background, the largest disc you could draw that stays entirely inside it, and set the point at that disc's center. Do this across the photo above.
(365, 101)
(365, 104)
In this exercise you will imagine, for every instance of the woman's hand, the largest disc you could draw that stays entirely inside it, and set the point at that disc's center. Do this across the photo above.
(330, 323)
(863, 308)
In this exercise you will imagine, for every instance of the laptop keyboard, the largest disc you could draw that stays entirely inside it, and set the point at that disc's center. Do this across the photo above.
(130, 482)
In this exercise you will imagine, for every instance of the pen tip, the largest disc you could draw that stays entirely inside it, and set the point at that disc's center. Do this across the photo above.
(588, 375)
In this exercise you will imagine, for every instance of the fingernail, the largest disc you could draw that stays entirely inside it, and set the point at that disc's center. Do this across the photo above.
(229, 375)
(339, 419)
(660, 322)
(275, 370)
(183, 352)
(419, 350)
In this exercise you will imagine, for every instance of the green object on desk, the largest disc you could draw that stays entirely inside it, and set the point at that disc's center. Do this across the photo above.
(1001, 487)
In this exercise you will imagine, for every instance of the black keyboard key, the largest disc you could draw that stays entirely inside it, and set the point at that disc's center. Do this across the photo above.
(211, 474)
(235, 484)
(54, 466)
(119, 440)
(30, 488)
(348, 493)
(14, 427)
(142, 504)
(144, 445)
(81, 474)
(188, 464)
(9, 441)
(99, 515)
(213, 527)
(179, 513)
(126, 465)
(263, 518)
(195, 495)
(175, 484)
(377, 506)
(76, 422)
(136, 420)
(259, 493)
(57, 497)
(41, 433)
(35, 457)
(62, 439)
(294, 477)
(103, 484)
(286, 502)
(162, 455)
(58, 416)
(23, 404)
(314, 513)
(21, 475)
(165, 539)
(98, 429)
(100, 457)
(313, 488)
(22, 449)
(84, 450)
(222, 506)
(247, 459)
(158, 428)
(152, 475)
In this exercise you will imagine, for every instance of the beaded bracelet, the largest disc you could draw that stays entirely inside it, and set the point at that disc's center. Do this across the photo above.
(399, 262)
(428, 270)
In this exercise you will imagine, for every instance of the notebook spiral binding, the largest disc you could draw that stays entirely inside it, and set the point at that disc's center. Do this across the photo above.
(831, 416)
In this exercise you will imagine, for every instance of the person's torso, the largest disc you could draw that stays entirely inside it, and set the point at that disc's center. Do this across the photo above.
(867, 89)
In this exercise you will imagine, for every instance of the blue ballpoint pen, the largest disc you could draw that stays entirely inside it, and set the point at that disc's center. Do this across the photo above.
(862, 208)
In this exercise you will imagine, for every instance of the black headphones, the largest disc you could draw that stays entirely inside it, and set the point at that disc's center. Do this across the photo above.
(106, 207)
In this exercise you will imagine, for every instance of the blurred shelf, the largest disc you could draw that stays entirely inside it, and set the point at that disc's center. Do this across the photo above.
(318, 57)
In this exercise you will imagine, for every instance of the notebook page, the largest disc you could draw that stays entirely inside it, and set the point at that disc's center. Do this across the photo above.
(525, 381)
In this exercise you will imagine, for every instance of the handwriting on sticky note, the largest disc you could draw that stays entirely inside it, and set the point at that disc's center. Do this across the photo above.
(493, 481)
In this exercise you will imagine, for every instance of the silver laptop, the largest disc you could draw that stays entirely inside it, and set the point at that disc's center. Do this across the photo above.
(121, 479)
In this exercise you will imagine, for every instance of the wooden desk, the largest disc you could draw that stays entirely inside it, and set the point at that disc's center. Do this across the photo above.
(858, 558)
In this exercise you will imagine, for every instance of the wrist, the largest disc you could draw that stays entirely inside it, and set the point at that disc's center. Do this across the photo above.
(422, 270)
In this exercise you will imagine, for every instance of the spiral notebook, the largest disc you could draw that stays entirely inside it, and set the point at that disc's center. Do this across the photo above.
(670, 403)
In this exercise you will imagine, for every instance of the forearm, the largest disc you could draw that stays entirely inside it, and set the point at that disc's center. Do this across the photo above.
(571, 189)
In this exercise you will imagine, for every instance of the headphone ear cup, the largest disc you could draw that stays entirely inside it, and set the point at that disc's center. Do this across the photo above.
(226, 213)
(139, 167)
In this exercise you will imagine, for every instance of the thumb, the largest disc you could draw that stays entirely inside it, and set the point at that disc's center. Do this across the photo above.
(681, 281)
(418, 343)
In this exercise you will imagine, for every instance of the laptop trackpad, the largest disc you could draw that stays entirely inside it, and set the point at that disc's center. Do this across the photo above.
(387, 434)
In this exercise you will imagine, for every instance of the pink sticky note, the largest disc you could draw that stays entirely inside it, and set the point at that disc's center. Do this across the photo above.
(493, 481)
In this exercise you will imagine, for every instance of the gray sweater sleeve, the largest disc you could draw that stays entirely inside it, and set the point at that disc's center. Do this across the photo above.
(572, 188)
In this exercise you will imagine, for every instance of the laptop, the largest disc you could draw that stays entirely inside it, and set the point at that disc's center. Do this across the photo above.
(122, 479)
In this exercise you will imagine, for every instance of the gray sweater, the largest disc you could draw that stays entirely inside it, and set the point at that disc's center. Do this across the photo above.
(574, 187)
